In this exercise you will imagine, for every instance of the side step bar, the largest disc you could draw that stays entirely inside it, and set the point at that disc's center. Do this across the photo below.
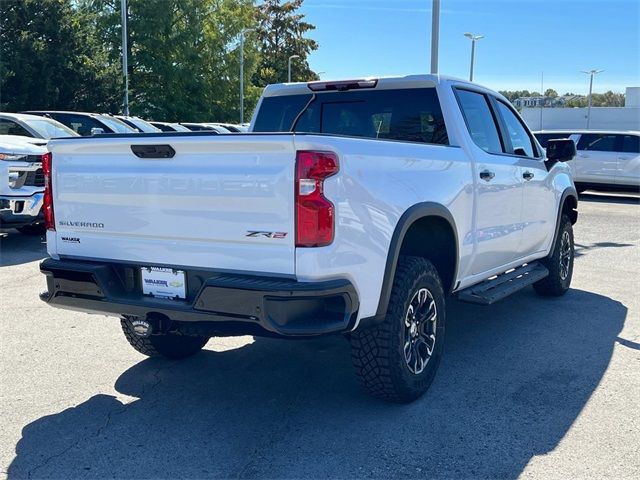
(497, 288)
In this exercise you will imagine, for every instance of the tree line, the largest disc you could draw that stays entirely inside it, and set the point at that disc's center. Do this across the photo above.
(607, 99)
(184, 55)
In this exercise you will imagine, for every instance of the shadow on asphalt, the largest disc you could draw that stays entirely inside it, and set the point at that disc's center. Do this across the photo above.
(17, 248)
(619, 198)
(513, 380)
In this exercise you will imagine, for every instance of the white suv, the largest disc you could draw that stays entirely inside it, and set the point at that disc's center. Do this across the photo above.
(606, 159)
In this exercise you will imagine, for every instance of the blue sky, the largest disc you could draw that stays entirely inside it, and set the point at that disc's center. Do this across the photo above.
(523, 38)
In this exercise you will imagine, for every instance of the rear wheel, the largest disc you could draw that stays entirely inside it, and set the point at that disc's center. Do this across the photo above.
(168, 345)
(397, 360)
(559, 263)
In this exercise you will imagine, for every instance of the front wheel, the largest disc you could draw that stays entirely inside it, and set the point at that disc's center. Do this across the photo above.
(397, 360)
(559, 263)
(167, 345)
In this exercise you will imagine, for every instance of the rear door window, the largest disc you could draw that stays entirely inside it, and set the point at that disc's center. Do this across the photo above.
(631, 144)
(598, 142)
(480, 121)
(409, 115)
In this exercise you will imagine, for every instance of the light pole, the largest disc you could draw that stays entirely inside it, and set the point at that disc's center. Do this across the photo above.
(435, 35)
(289, 67)
(474, 39)
(591, 73)
(242, 33)
(125, 53)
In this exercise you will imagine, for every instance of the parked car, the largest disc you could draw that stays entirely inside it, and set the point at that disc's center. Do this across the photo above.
(34, 126)
(138, 124)
(228, 126)
(170, 127)
(201, 127)
(608, 160)
(385, 197)
(22, 183)
(86, 124)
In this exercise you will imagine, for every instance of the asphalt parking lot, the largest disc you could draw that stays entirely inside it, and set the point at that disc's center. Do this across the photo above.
(529, 387)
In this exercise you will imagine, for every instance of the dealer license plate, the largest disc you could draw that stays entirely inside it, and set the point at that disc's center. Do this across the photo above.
(163, 282)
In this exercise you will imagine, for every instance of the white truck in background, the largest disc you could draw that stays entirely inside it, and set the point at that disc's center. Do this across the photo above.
(21, 184)
(352, 207)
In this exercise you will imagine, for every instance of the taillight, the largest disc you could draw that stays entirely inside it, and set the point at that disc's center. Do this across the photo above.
(314, 213)
(47, 205)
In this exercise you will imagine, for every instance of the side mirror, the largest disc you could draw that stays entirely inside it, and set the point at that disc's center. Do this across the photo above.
(97, 131)
(561, 150)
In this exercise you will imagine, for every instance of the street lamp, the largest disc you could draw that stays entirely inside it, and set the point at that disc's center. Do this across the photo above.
(242, 33)
(125, 53)
(591, 73)
(289, 69)
(473, 39)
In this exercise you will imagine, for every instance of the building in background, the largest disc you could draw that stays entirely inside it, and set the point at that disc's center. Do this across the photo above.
(602, 118)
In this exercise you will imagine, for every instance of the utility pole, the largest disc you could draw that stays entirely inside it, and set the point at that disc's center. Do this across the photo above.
(591, 74)
(125, 53)
(474, 39)
(242, 33)
(289, 67)
(542, 95)
(435, 35)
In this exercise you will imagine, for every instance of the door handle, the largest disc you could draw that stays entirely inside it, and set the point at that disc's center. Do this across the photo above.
(487, 176)
(528, 176)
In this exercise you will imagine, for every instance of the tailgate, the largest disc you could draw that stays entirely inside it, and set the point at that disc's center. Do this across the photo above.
(222, 202)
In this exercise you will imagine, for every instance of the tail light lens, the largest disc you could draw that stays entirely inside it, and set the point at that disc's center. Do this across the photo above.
(314, 213)
(47, 205)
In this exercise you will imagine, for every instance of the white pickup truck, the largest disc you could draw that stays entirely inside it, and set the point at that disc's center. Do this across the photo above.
(21, 184)
(353, 207)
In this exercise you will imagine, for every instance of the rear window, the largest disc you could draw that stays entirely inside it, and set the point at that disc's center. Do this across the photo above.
(410, 115)
(544, 138)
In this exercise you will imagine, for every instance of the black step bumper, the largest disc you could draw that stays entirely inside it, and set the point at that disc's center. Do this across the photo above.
(229, 304)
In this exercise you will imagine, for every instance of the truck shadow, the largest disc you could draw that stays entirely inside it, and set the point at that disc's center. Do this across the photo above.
(514, 379)
(16, 248)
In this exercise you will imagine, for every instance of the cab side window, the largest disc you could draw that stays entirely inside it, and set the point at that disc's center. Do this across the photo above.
(521, 142)
(480, 121)
(598, 142)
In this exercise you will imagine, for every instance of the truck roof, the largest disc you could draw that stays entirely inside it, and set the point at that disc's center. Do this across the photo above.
(392, 82)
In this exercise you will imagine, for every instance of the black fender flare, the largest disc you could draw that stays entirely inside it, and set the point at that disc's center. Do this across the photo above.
(569, 192)
(411, 215)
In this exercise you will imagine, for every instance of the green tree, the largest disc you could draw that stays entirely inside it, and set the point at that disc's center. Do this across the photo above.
(51, 58)
(281, 33)
(184, 56)
(550, 92)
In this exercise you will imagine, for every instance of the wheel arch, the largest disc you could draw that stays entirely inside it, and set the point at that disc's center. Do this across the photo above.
(569, 206)
(440, 247)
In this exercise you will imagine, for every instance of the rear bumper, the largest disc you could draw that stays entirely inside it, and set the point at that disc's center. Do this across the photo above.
(216, 304)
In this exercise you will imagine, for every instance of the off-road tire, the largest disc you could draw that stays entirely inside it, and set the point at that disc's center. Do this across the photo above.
(167, 345)
(35, 229)
(555, 285)
(378, 352)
